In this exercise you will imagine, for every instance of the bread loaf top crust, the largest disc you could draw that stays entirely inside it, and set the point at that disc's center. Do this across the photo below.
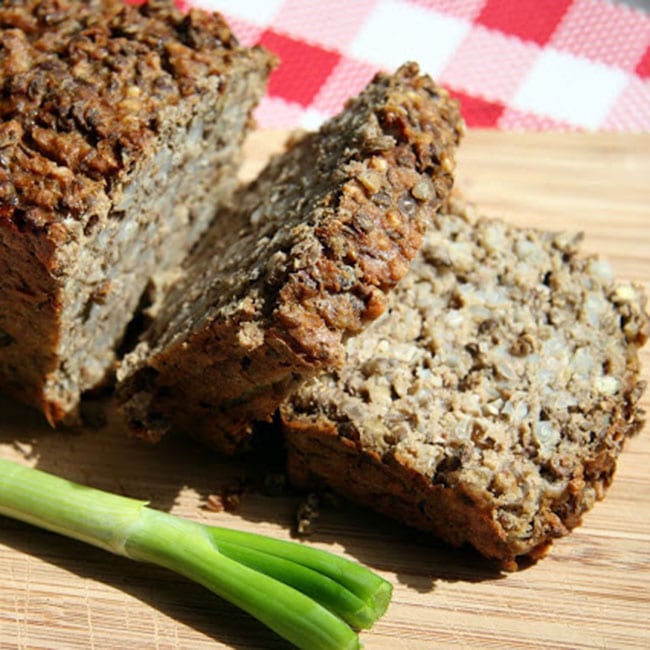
(330, 225)
(83, 87)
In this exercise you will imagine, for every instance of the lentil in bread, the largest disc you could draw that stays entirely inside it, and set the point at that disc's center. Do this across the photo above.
(489, 403)
(305, 257)
(120, 130)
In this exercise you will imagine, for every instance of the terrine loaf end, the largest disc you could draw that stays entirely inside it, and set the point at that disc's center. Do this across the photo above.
(120, 131)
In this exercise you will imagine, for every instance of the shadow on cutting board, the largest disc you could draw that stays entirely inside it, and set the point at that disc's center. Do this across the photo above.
(178, 474)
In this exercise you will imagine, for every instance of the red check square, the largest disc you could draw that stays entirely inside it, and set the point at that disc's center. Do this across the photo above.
(530, 20)
(303, 68)
(643, 67)
(477, 112)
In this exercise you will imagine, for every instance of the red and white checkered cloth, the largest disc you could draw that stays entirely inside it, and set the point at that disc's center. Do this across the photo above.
(515, 64)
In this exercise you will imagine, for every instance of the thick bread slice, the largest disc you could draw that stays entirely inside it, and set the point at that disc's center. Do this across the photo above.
(489, 404)
(120, 130)
(304, 258)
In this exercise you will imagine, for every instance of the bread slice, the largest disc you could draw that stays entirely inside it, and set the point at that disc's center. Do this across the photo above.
(305, 257)
(120, 130)
(489, 403)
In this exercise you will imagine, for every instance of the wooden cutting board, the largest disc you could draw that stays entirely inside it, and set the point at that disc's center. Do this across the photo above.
(593, 591)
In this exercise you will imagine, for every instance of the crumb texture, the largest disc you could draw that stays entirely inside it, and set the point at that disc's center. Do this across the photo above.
(490, 402)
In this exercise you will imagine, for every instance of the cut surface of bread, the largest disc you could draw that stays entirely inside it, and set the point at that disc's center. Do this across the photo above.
(305, 257)
(120, 131)
(488, 405)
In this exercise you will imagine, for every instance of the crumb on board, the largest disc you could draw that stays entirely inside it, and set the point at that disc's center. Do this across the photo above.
(229, 497)
(307, 514)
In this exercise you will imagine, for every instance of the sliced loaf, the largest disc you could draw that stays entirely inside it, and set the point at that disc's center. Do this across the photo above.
(305, 257)
(489, 403)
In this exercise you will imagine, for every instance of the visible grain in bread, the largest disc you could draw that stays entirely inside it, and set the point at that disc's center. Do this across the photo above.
(305, 258)
(490, 402)
(120, 128)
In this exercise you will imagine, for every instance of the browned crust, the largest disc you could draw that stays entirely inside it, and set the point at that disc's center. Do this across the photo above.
(366, 225)
(83, 85)
(319, 455)
(24, 367)
(426, 133)
(189, 393)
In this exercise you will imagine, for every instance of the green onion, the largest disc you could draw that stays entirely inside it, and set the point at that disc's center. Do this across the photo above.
(310, 597)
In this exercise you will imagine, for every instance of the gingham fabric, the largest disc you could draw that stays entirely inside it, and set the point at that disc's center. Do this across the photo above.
(514, 64)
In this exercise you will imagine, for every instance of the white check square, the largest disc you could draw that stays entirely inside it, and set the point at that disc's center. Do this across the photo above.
(570, 88)
(312, 119)
(396, 32)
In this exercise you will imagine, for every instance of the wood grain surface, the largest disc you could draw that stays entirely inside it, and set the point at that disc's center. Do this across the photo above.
(592, 591)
